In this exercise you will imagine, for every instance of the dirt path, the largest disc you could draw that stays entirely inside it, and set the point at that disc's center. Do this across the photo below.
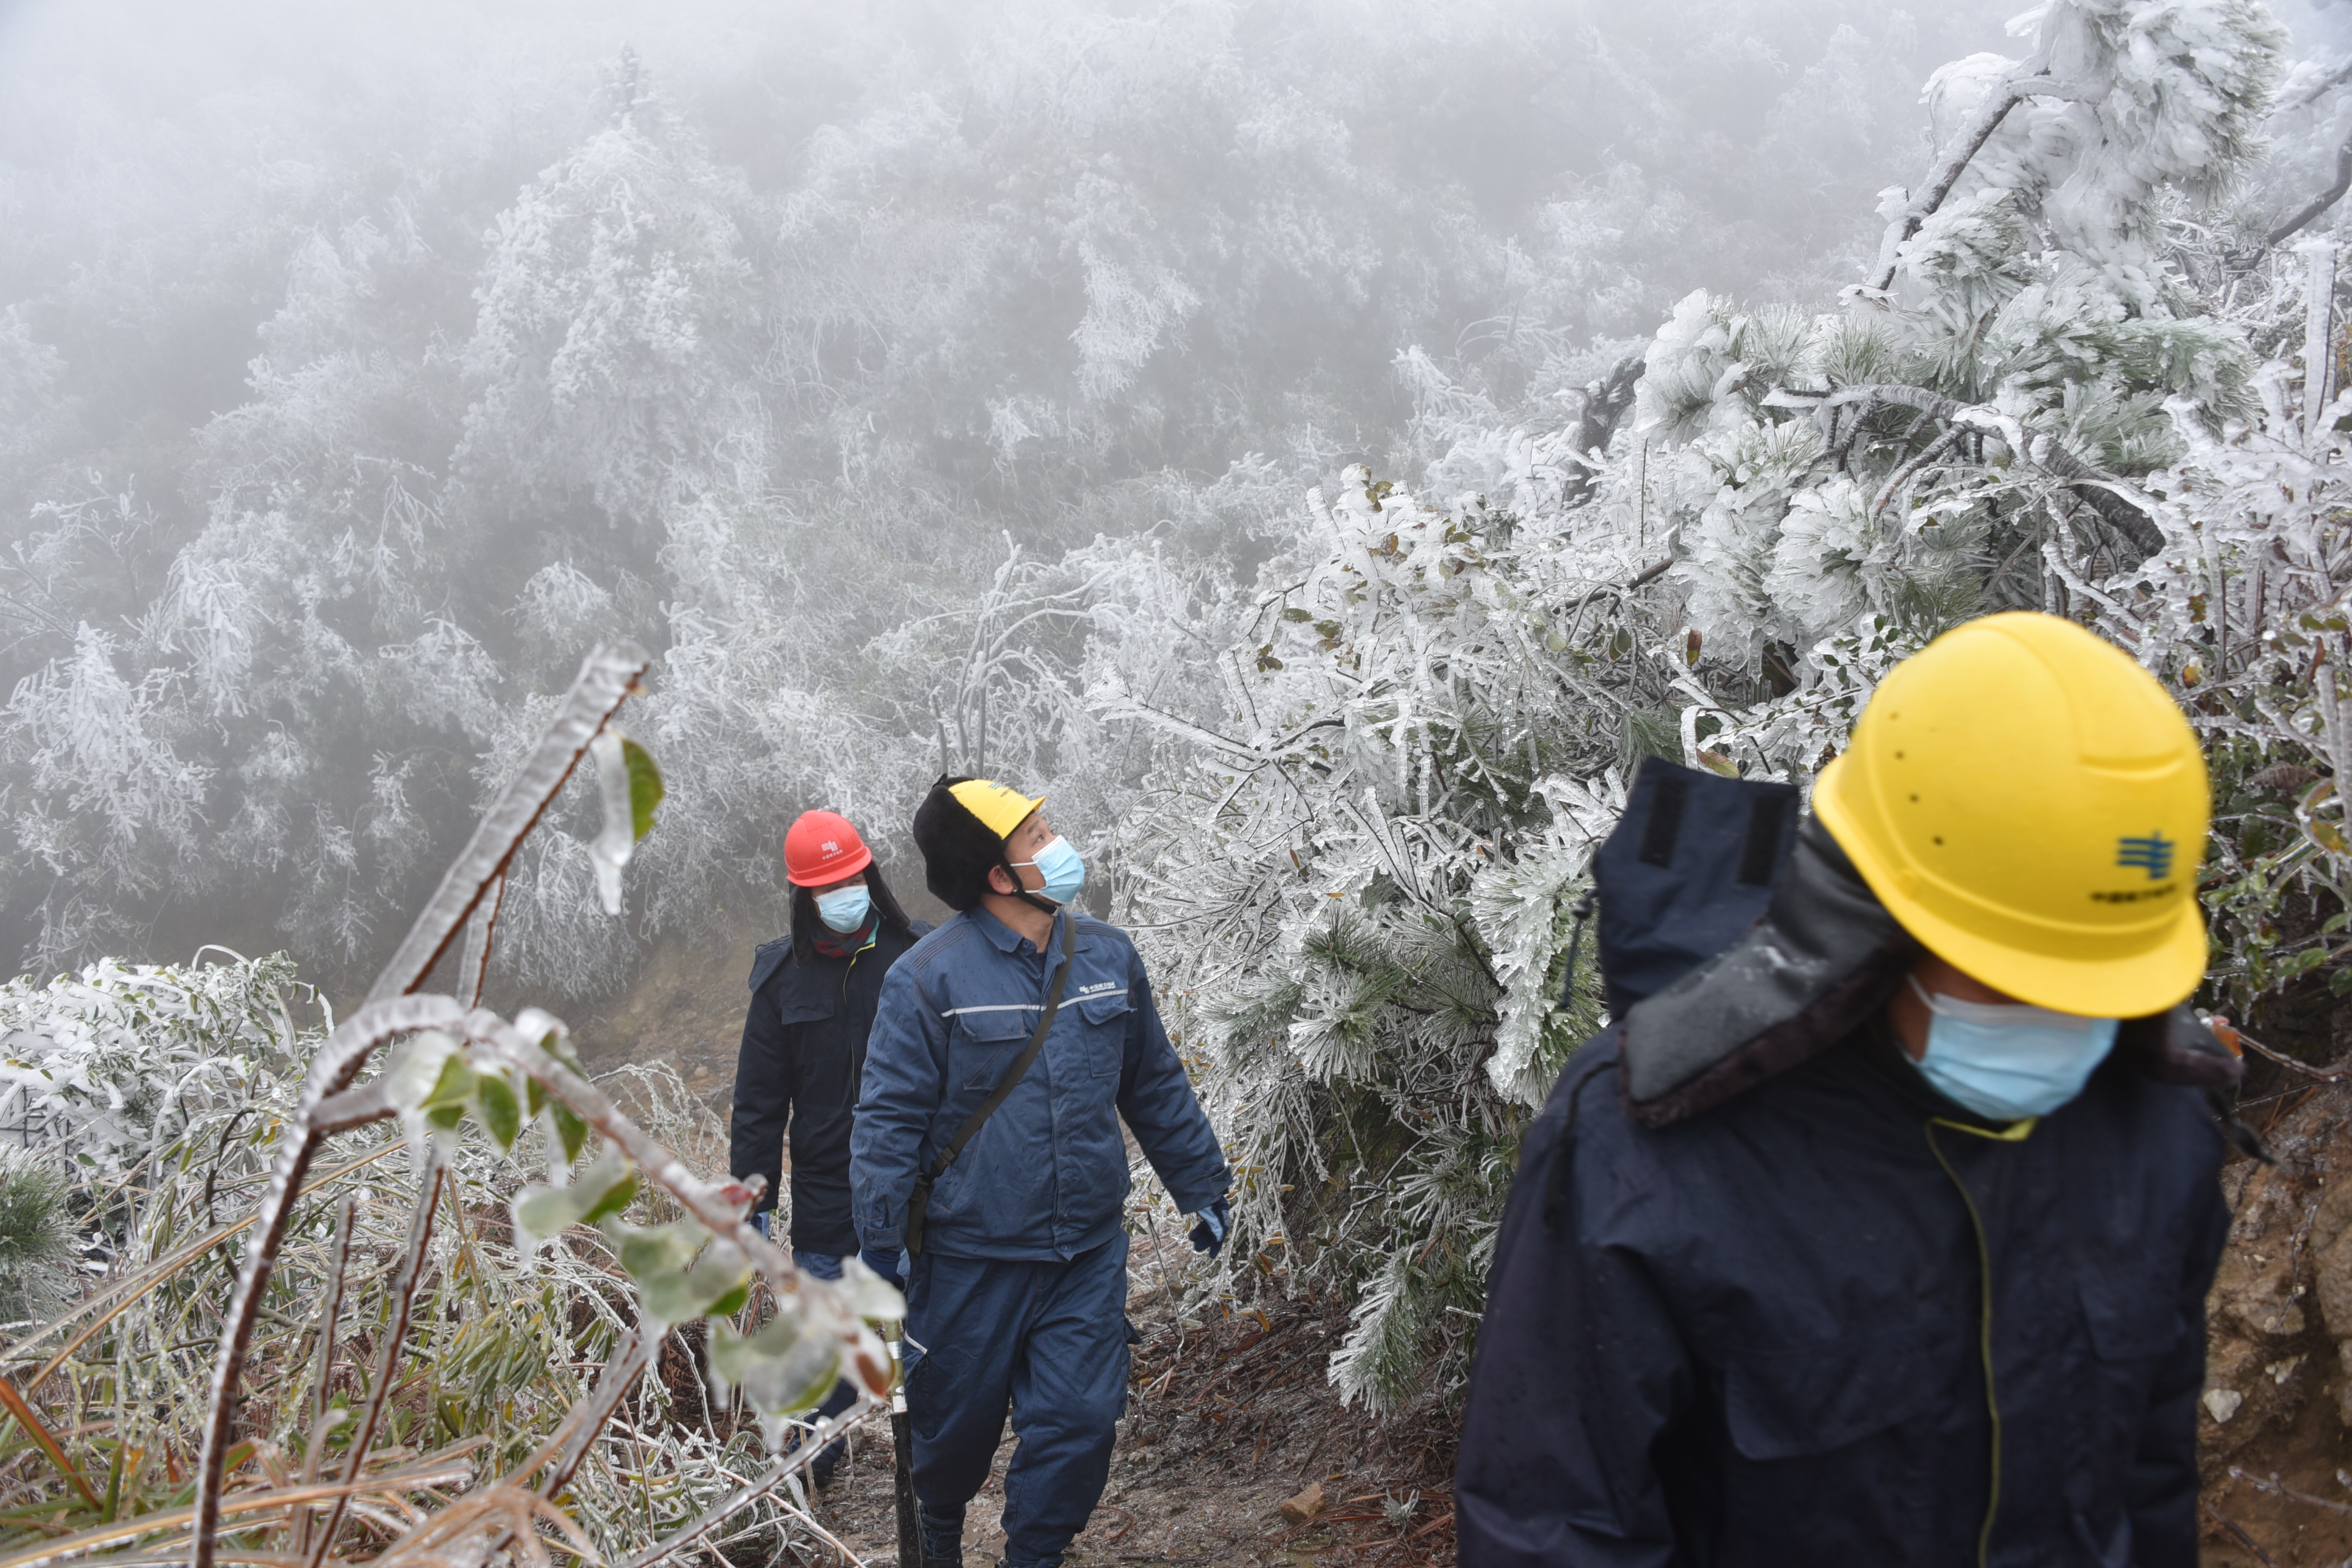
(1223, 1422)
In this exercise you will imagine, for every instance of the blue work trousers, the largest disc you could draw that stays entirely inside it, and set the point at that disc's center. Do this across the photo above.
(1049, 1340)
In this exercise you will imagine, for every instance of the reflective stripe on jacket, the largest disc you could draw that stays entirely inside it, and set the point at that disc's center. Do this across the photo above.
(1046, 1177)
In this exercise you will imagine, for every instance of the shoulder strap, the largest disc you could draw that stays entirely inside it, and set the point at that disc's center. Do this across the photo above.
(919, 1202)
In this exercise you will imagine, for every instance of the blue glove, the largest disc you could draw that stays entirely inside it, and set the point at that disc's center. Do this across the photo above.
(759, 1221)
(889, 1264)
(1209, 1235)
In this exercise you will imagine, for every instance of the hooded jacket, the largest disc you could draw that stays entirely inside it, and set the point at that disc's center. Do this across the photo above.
(1046, 1176)
(803, 1052)
(1762, 1296)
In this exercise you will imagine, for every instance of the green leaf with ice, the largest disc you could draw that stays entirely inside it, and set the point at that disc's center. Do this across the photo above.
(543, 1212)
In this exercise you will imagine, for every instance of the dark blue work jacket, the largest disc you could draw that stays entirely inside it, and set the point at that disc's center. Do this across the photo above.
(1046, 1177)
(803, 1043)
(1759, 1335)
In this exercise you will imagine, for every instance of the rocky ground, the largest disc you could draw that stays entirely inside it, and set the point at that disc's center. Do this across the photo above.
(2276, 1454)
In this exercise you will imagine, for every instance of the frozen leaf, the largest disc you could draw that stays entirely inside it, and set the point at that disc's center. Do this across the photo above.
(417, 1067)
(871, 1296)
(630, 786)
(648, 1251)
(501, 1118)
(543, 1212)
(718, 1283)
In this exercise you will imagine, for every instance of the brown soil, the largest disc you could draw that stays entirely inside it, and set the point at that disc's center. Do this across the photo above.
(686, 1009)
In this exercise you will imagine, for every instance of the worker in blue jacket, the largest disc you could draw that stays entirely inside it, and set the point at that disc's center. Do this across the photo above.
(1016, 1244)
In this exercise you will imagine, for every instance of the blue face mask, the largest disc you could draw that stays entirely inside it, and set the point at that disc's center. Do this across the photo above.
(843, 908)
(1063, 868)
(2006, 1061)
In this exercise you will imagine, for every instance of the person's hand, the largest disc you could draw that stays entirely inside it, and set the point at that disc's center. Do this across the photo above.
(889, 1264)
(759, 1222)
(1209, 1235)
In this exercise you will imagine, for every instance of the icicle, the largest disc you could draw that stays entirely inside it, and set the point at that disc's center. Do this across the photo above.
(2318, 356)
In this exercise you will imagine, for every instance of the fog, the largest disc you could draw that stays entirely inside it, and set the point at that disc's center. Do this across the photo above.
(361, 367)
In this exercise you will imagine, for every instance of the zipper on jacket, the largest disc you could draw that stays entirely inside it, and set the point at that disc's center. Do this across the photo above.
(2014, 1133)
(858, 1057)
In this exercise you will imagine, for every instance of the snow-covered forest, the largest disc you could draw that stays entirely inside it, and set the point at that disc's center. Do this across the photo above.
(1325, 444)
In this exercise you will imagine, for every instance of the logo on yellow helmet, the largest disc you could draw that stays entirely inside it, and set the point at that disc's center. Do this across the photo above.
(2152, 854)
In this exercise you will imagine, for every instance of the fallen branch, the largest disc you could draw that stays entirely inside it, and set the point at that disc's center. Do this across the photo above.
(2278, 1488)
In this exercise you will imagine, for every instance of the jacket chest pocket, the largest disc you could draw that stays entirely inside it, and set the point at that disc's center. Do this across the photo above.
(1802, 1399)
(1104, 1015)
(984, 1044)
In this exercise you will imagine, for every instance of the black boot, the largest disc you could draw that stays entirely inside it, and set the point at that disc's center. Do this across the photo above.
(828, 1460)
(942, 1533)
(821, 1469)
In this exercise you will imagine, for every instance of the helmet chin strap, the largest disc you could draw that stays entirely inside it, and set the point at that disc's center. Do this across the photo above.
(1029, 896)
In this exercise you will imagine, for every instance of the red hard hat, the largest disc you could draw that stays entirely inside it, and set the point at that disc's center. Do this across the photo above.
(821, 847)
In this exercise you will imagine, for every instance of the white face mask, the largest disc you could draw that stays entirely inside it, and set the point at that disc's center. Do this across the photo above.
(2006, 1060)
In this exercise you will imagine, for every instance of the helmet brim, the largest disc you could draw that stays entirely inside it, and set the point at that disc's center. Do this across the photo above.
(839, 872)
(2160, 975)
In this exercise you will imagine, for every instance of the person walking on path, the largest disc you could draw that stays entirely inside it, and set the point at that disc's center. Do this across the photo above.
(1009, 1046)
(796, 1075)
(1885, 1235)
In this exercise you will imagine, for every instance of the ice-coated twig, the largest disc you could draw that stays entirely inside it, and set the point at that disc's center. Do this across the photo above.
(395, 1334)
(479, 928)
(2004, 96)
(606, 678)
(578, 1433)
(331, 1313)
(341, 1057)
(2320, 202)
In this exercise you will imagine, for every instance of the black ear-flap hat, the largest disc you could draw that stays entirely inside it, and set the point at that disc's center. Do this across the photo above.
(960, 827)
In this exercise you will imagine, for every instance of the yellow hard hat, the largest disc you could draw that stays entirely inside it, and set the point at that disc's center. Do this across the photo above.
(998, 807)
(2031, 804)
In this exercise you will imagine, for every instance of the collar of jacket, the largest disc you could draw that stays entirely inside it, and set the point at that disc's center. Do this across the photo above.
(822, 972)
(1006, 939)
(1817, 966)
